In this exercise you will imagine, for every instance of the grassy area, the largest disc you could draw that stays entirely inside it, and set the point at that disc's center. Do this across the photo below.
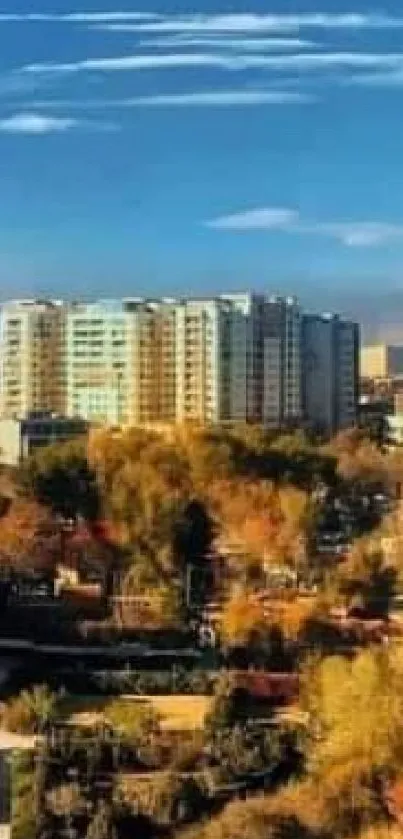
(180, 713)
(176, 713)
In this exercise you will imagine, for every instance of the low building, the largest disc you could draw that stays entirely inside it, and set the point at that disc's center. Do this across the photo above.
(373, 418)
(19, 438)
(381, 361)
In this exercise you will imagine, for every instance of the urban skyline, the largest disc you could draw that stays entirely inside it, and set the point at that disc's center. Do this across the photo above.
(232, 358)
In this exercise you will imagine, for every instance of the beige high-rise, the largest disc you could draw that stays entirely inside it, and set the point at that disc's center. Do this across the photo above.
(31, 358)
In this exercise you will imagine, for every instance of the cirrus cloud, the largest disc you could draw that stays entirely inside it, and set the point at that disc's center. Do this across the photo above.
(364, 234)
(31, 123)
(238, 97)
(238, 44)
(37, 124)
(301, 62)
(76, 17)
(238, 22)
(269, 22)
(264, 218)
(352, 234)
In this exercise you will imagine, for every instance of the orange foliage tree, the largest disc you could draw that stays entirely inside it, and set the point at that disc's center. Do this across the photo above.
(28, 535)
(261, 521)
(242, 619)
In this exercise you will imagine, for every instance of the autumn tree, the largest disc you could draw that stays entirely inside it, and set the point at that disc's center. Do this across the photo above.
(359, 460)
(302, 810)
(243, 621)
(355, 708)
(261, 524)
(28, 536)
(29, 712)
(368, 581)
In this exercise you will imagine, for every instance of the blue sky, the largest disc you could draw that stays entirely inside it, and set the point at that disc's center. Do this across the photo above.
(168, 147)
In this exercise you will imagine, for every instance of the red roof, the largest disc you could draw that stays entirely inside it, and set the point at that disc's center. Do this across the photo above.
(262, 685)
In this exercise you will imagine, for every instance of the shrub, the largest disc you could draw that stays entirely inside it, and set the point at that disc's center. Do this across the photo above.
(30, 712)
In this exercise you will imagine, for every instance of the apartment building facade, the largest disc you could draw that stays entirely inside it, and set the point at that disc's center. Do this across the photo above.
(330, 372)
(100, 362)
(232, 358)
(190, 361)
(273, 357)
(31, 358)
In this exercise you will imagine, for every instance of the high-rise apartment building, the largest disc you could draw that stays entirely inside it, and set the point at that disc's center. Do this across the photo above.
(190, 361)
(153, 395)
(211, 356)
(100, 362)
(283, 325)
(330, 372)
(273, 357)
(232, 358)
(31, 358)
(139, 362)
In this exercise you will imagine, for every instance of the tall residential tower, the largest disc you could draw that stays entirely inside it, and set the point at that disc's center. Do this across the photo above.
(330, 372)
(32, 354)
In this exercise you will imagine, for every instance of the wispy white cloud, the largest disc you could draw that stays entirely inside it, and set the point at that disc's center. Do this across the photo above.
(352, 234)
(301, 62)
(270, 22)
(219, 99)
(31, 123)
(38, 124)
(130, 63)
(209, 23)
(78, 17)
(362, 234)
(265, 218)
(241, 97)
(321, 60)
(238, 44)
(90, 17)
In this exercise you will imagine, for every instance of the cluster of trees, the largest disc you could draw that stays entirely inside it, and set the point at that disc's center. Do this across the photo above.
(353, 759)
(170, 505)
(172, 501)
(338, 774)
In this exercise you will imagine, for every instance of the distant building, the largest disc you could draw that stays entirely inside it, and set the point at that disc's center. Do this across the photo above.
(381, 361)
(31, 358)
(330, 372)
(273, 353)
(21, 438)
(99, 363)
(231, 358)
(373, 417)
(241, 357)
